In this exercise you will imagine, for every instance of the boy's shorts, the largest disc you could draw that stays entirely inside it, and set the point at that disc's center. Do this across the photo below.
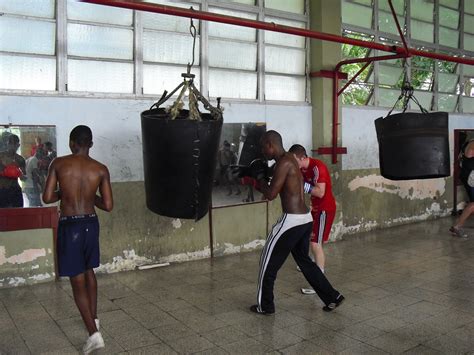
(322, 223)
(78, 244)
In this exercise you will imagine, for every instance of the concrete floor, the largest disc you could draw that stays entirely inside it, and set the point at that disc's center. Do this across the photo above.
(408, 289)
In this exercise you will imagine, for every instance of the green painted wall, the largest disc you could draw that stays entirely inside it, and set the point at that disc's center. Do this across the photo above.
(26, 257)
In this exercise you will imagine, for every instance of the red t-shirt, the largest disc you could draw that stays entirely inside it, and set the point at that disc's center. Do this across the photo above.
(317, 172)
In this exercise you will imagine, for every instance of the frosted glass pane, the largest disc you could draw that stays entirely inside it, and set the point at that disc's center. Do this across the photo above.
(169, 48)
(285, 88)
(246, 2)
(424, 98)
(282, 38)
(233, 32)
(450, 3)
(422, 9)
(27, 36)
(96, 76)
(296, 6)
(448, 37)
(389, 75)
(232, 84)
(422, 31)
(97, 13)
(447, 82)
(468, 104)
(448, 17)
(447, 102)
(167, 22)
(158, 78)
(234, 55)
(387, 23)
(397, 4)
(469, 23)
(27, 73)
(469, 42)
(388, 97)
(99, 42)
(468, 70)
(358, 15)
(39, 8)
(469, 6)
(284, 60)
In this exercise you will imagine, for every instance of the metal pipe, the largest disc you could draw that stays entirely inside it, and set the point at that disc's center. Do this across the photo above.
(398, 27)
(270, 26)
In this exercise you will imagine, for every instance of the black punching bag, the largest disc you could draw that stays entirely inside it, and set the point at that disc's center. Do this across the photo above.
(179, 158)
(413, 145)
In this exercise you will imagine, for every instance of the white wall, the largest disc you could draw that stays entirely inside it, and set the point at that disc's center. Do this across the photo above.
(116, 125)
(358, 135)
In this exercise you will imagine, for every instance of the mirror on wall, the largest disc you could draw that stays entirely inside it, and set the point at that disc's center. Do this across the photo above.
(25, 155)
(239, 145)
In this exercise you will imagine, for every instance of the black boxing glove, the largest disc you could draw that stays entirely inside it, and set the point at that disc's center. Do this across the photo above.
(259, 169)
(240, 170)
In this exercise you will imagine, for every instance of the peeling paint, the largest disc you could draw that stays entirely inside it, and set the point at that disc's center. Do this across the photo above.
(24, 257)
(195, 255)
(410, 189)
(41, 277)
(433, 211)
(129, 261)
(34, 267)
(229, 248)
(176, 223)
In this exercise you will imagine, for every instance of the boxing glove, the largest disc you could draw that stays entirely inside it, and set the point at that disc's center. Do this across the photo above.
(11, 171)
(259, 169)
(307, 188)
(240, 171)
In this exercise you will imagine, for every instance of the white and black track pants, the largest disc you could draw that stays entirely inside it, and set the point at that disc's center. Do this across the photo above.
(290, 234)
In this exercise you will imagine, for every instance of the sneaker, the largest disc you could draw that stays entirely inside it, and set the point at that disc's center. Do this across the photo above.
(458, 232)
(255, 309)
(94, 342)
(308, 291)
(333, 305)
(97, 323)
(298, 268)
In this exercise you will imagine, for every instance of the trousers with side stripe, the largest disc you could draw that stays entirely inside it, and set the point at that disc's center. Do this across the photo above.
(290, 234)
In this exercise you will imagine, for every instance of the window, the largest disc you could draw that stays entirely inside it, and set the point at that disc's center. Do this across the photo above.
(445, 26)
(27, 45)
(75, 48)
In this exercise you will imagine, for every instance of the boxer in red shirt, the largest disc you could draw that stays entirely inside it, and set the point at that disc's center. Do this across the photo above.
(323, 205)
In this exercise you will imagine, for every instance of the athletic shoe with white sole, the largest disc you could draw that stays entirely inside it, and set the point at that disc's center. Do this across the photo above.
(94, 342)
(308, 291)
(333, 305)
(97, 323)
(458, 232)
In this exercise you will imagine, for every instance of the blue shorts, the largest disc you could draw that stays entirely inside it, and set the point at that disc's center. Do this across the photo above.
(78, 244)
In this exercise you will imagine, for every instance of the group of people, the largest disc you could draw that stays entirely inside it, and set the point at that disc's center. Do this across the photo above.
(31, 172)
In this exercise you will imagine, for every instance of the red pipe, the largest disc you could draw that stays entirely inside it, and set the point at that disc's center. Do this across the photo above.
(269, 26)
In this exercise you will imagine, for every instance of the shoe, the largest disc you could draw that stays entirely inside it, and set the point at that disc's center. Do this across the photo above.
(308, 291)
(94, 342)
(255, 309)
(298, 268)
(333, 305)
(458, 232)
(97, 323)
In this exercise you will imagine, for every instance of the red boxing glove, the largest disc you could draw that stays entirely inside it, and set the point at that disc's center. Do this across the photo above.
(11, 172)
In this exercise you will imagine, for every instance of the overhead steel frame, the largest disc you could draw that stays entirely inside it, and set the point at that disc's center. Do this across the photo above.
(399, 52)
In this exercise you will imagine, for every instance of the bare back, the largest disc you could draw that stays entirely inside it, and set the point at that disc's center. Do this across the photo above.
(288, 181)
(79, 178)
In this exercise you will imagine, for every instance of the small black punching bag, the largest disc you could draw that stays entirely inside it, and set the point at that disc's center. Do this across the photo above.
(413, 145)
(179, 158)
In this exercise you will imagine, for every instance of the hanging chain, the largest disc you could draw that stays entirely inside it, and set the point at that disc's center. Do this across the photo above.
(193, 31)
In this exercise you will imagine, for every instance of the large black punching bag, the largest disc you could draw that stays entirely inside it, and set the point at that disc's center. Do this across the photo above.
(413, 145)
(179, 158)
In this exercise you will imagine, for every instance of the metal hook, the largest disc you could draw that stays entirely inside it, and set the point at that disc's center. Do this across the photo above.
(193, 32)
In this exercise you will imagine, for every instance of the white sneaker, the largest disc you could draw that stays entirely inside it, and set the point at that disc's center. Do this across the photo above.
(298, 268)
(308, 291)
(94, 342)
(97, 323)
